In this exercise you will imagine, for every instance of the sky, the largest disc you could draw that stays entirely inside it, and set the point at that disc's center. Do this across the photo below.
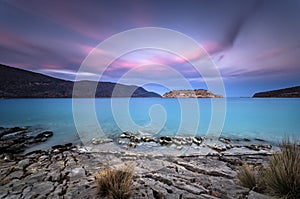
(254, 44)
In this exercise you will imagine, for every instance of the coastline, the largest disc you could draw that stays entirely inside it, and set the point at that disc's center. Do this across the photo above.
(68, 171)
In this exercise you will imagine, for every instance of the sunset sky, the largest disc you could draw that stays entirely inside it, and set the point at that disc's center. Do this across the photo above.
(254, 44)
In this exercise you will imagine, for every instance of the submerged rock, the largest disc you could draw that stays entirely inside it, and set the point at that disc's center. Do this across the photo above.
(246, 140)
(17, 139)
(7, 131)
(260, 140)
(225, 140)
(45, 134)
(96, 141)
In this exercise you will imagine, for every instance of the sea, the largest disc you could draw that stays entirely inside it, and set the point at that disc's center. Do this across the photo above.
(80, 120)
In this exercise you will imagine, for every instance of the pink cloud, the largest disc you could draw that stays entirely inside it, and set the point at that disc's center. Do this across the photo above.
(85, 48)
(125, 64)
(152, 58)
(212, 46)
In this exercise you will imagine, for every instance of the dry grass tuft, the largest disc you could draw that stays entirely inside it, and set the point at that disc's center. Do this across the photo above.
(115, 183)
(282, 178)
(247, 176)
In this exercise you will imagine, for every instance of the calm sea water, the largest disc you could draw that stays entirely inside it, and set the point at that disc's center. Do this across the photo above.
(269, 119)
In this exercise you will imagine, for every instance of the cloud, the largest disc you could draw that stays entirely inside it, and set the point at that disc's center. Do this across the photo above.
(238, 23)
(16, 49)
(71, 74)
(151, 58)
(276, 52)
(36, 51)
(247, 40)
(67, 14)
(89, 18)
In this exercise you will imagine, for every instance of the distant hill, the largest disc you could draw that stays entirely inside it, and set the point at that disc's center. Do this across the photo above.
(284, 93)
(18, 83)
(198, 93)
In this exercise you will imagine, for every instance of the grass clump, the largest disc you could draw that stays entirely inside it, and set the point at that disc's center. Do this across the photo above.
(247, 176)
(115, 183)
(282, 177)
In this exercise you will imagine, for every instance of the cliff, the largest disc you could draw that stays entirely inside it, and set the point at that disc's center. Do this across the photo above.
(292, 92)
(18, 83)
(198, 93)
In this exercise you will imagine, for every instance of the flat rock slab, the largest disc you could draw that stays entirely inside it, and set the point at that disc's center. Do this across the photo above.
(70, 173)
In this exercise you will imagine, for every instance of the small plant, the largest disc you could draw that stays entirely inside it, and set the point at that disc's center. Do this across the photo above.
(247, 176)
(115, 183)
(282, 178)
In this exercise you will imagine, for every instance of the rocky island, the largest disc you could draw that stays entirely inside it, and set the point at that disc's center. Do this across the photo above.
(197, 93)
(292, 92)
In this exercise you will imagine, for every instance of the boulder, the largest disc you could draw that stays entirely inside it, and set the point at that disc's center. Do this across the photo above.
(135, 139)
(165, 140)
(148, 139)
(131, 144)
(96, 141)
(197, 140)
(61, 148)
(125, 135)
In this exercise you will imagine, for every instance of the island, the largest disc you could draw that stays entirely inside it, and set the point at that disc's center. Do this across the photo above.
(292, 92)
(197, 93)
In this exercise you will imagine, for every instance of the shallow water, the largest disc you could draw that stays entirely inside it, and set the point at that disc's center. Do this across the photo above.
(270, 119)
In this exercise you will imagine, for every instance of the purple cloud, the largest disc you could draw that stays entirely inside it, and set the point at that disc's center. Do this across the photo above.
(246, 39)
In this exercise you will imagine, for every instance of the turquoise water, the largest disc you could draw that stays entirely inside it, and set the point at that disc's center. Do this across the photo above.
(269, 119)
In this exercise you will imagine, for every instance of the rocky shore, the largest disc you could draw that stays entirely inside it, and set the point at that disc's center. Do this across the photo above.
(68, 171)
